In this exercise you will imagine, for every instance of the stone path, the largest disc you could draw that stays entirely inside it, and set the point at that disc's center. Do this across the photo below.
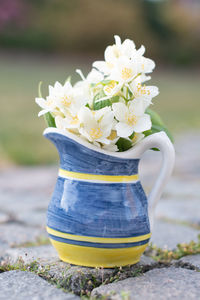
(25, 285)
(24, 196)
(163, 284)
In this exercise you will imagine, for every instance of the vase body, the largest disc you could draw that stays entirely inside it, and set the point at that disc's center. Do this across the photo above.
(98, 214)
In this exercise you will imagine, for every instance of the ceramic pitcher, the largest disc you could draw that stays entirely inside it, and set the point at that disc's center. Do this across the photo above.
(99, 214)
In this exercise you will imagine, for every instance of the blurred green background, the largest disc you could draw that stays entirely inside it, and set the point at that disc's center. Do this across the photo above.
(46, 41)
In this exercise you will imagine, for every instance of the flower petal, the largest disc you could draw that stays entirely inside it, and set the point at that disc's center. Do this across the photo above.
(117, 40)
(43, 112)
(143, 124)
(101, 66)
(41, 102)
(120, 110)
(137, 107)
(124, 130)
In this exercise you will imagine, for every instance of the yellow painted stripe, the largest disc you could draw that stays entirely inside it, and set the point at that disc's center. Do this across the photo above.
(98, 239)
(98, 257)
(93, 177)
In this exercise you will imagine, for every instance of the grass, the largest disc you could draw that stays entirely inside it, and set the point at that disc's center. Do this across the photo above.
(181, 250)
(21, 140)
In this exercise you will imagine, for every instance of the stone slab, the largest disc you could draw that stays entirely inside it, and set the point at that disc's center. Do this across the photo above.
(168, 235)
(181, 187)
(77, 279)
(15, 234)
(4, 217)
(3, 247)
(74, 278)
(80, 279)
(23, 202)
(160, 284)
(26, 192)
(191, 261)
(35, 218)
(28, 179)
(20, 285)
(180, 209)
(27, 255)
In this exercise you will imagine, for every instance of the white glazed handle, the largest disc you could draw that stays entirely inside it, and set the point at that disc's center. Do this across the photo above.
(161, 141)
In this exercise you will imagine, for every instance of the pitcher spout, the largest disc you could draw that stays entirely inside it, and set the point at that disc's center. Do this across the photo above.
(78, 155)
(64, 140)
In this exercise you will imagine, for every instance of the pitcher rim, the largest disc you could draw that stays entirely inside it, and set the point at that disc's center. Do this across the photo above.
(92, 147)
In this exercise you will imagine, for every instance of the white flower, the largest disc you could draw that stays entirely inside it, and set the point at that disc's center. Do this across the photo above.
(124, 71)
(50, 104)
(96, 125)
(143, 92)
(94, 77)
(69, 122)
(145, 65)
(111, 147)
(121, 74)
(111, 89)
(124, 51)
(70, 99)
(113, 140)
(131, 118)
(112, 53)
(143, 78)
(47, 105)
(63, 100)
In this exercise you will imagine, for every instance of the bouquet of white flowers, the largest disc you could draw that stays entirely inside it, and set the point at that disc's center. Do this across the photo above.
(109, 107)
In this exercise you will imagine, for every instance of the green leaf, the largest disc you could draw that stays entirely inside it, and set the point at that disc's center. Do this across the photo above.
(87, 105)
(99, 95)
(93, 85)
(155, 129)
(114, 99)
(49, 120)
(101, 104)
(132, 135)
(157, 125)
(123, 144)
(155, 118)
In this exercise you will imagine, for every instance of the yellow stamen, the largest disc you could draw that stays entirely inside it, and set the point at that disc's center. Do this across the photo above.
(96, 133)
(49, 102)
(58, 113)
(142, 89)
(134, 137)
(131, 119)
(127, 73)
(110, 86)
(66, 101)
(112, 135)
(74, 121)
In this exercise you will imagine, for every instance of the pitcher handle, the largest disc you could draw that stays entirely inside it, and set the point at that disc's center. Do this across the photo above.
(161, 141)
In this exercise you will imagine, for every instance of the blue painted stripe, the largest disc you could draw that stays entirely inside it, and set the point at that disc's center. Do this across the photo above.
(98, 245)
(124, 236)
(78, 158)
